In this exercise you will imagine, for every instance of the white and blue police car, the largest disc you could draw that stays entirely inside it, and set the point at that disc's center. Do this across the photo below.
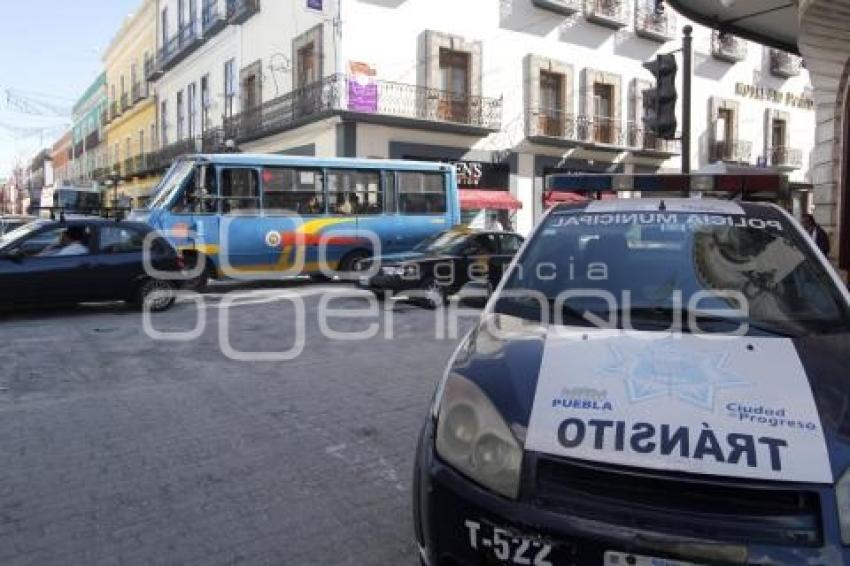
(656, 381)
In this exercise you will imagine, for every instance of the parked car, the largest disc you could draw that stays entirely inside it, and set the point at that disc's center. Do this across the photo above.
(441, 265)
(9, 222)
(655, 382)
(87, 259)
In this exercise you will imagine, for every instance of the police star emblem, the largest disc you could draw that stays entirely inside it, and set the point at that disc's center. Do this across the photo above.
(663, 369)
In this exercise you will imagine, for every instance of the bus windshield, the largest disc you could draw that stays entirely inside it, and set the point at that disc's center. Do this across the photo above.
(171, 183)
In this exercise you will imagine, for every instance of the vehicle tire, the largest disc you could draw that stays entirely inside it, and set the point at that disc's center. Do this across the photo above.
(435, 294)
(155, 294)
(320, 278)
(348, 263)
(198, 283)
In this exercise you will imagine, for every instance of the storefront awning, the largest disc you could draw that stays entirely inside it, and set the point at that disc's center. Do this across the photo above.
(551, 198)
(474, 199)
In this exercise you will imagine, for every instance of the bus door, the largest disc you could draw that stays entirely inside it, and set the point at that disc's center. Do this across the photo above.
(192, 222)
(242, 234)
(354, 198)
(422, 206)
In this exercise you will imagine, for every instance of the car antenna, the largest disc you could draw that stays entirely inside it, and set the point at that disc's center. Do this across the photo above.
(662, 207)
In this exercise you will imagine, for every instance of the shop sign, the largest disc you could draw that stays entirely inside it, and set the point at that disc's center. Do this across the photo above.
(772, 95)
(362, 88)
(314, 4)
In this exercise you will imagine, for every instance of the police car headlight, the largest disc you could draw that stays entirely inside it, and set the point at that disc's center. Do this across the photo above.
(393, 270)
(842, 496)
(473, 437)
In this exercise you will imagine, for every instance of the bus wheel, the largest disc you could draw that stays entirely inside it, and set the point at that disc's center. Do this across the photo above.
(199, 282)
(349, 262)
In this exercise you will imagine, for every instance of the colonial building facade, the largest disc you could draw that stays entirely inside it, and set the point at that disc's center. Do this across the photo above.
(89, 113)
(131, 133)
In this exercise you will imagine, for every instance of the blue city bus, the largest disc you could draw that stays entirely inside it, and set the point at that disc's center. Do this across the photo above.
(256, 214)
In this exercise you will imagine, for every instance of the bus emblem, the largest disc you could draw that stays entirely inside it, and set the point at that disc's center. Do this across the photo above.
(273, 239)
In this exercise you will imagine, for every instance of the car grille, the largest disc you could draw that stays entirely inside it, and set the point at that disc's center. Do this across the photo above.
(679, 504)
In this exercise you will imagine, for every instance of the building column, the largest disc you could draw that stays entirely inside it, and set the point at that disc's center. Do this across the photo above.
(525, 192)
(825, 46)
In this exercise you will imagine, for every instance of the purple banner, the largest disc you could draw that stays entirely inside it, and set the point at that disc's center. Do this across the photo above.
(362, 97)
(314, 4)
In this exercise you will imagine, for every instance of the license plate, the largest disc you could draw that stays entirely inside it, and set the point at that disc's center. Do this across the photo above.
(506, 546)
(625, 559)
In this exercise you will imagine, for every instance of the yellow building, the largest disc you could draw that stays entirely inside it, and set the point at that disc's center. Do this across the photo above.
(131, 110)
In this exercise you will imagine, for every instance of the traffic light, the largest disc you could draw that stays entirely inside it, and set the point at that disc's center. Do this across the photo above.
(659, 103)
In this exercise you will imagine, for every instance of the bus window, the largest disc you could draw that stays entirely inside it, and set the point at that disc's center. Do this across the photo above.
(389, 191)
(355, 192)
(421, 193)
(239, 190)
(293, 190)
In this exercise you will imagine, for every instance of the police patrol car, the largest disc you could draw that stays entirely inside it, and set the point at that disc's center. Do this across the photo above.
(656, 381)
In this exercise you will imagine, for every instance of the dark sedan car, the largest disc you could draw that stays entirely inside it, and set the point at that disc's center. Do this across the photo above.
(87, 259)
(442, 264)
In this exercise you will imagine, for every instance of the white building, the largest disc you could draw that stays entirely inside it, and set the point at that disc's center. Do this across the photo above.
(509, 89)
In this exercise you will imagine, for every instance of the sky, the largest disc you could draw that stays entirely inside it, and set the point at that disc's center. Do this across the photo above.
(51, 50)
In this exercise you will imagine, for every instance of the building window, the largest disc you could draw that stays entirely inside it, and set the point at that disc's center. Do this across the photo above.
(164, 26)
(307, 48)
(297, 190)
(128, 148)
(551, 100)
(180, 116)
(725, 127)
(229, 86)
(193, 109)
(163, 121)
(181, 11)
(141, 142)
(239, 190)
(454, 85)
(603, 113)
(354, 192)
(205, 103)
(153, 136)
(777, 133)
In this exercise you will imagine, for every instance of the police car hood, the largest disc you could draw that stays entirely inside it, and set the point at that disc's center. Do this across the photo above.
(760, 408)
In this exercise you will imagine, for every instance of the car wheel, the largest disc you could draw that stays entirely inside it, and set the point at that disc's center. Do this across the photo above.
(434, 293)
(349, 262)
(155, 295)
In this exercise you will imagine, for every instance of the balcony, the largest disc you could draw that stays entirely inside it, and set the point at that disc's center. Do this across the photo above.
(171, 152)
(731, 151)
(564, 7)
(153, 69)
(643, 140)
(654, 25)
(574, 129)
(125, 102)
(726, 47)
(104, 116)
(609, 13)
(139, 91)
(385, 103)
(179, 45)
(114, 110)
(784, 65)
(212, 20)
(239, 11)
(786, 157)
(92, 140)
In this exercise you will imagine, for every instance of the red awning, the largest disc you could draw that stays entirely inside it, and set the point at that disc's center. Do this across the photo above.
(473, 199)
(551, 198)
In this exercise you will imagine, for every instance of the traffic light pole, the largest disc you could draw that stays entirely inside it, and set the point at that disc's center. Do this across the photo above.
(687, 57)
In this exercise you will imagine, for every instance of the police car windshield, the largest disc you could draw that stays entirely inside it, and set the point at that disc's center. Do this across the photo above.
(652, 265)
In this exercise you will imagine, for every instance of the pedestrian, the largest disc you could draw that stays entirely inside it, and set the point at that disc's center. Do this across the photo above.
(816, 233)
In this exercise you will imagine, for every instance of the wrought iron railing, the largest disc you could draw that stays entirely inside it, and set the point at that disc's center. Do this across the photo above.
(551, 123)
(238, 11)
(611, 13)
(139, 91)
(385, 98)
(212, 140)
(784, 64)
(104, 116)
(179, 45)
(727, 47)
(114, 110)
(153, 68)
(734, 151)
(791, 157)
(169, 153)
(92, 140)
(653, 24)
(641, 138)
(600, 130)
(212, 20)
(125, 101)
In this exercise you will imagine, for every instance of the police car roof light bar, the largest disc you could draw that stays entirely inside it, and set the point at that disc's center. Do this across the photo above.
(756, 187)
